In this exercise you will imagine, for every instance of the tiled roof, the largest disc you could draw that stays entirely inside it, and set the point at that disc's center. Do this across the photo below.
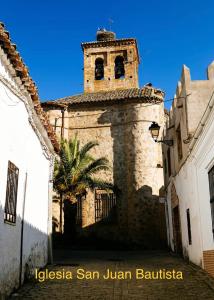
(145, 94)
(22, 72)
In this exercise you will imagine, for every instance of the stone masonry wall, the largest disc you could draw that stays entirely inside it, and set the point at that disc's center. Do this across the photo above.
(124, 138)
(108, 54)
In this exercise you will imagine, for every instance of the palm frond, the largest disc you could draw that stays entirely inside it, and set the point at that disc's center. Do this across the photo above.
(93, 183)
(73, 172)
(96, 166)
(86, 148)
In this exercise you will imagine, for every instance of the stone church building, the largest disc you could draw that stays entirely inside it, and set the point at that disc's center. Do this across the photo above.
(117, 113)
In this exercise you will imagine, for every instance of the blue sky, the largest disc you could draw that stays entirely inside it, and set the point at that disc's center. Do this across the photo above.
(48, 34)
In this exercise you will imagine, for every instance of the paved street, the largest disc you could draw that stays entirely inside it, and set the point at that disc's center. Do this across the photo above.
(196, 284)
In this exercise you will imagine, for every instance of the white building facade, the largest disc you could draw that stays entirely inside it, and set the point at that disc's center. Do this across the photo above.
(190, 182)
(26, 163)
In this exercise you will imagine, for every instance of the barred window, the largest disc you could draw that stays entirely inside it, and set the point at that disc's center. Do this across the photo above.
(179, 143)
(80, 199)
(105, 206)
(189, 227)
(11, 193)
(211, 185)
(169, 162)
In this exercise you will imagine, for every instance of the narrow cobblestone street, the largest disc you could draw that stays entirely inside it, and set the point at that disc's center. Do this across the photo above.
(196, 284)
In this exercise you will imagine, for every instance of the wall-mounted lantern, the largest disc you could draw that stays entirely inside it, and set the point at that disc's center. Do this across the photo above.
(154, 130)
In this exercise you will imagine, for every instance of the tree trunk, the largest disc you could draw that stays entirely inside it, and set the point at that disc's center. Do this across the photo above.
(70, 213)
(60, 213)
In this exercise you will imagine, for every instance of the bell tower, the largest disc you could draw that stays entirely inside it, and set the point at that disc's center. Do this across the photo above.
(110, 63)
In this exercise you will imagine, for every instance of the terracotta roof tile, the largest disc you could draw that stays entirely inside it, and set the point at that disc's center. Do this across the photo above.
(145, 94)
(22, 72)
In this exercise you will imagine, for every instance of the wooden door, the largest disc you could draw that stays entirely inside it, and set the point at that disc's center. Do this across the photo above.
(177, 230)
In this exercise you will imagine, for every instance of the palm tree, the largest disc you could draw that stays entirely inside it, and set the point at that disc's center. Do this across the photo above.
(74, 172)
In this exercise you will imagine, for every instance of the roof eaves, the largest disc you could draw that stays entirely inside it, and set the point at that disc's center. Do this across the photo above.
(146, 93)
(26, 81)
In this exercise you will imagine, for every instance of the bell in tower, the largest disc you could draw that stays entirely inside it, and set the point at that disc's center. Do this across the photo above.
(110, 63)
(119, 67)
(99, 69)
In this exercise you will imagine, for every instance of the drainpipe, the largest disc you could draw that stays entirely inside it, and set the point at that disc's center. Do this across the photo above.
(63, 123)
(22, 232)
(50, 194)
(61, 196)
(60, 213)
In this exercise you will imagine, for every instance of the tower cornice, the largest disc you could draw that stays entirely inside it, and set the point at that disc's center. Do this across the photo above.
(110, 43)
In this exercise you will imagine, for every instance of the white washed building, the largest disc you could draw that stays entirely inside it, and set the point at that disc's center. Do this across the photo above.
(26, 161)
(189, 170)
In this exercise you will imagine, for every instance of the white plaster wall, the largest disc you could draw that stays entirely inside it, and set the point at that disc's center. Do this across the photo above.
(204, 161)
(20, 145)
(190, 174)
(192, 187)
(186, 188)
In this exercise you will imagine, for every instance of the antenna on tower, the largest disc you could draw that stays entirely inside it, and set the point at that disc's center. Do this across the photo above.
(110, 23)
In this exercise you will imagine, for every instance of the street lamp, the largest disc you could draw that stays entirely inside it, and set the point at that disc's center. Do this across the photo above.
(154, 130)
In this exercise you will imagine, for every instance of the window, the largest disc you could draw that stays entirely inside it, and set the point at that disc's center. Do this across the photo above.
(105, 206)
(99, 69)
(189, 227)
(165, 166)
(80, 199)
(169, 161)
(119, 67)
(179, 143)
(211, 185)
(11, 193)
